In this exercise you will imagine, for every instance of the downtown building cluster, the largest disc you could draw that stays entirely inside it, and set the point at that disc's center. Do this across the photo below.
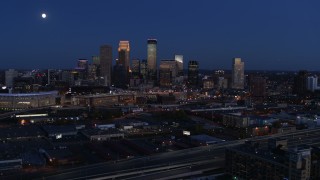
(105, 72)
(132, 73)
(126, 73)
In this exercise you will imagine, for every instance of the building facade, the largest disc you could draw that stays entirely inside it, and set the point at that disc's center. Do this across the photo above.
(236, 120)
(193, 73)
(10, 75)
(106, 64)
(27, 100)
(82, 64)
(179, 61)
(300, 83)
(96, 60)
(120, 79)
(144, 69)
(237, 73)
(124, 54)
(257, 86)
(250, 161)
(312, 83)
(101, 100)
(135, 67)
(152, 59)
(167, 72)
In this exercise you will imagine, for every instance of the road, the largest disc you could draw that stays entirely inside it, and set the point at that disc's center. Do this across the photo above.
(165, 160)
(174, 161)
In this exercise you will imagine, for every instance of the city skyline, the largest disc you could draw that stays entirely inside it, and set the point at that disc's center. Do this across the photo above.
(267, 35)
(165, 89)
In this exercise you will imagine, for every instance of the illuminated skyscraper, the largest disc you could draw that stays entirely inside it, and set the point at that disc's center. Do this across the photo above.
(122, 67)
(124, 54)
(179, 60)
(106, 63)
(152, 59)
(237, 73)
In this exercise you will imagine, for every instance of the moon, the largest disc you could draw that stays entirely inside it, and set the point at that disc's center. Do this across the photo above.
(43, 15)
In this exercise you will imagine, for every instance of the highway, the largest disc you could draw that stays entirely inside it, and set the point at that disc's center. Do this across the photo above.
(219, 109)
(187, 168)
(133, 166)
(175, 161)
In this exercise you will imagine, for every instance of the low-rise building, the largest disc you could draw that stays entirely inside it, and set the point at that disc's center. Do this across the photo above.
(203, 139)
(284, 129)
(102, 135)
(58, 132)
(21, 132)
(104, 126)
(250, 161)
(262, 120)
(103, 100)
(235, 120)
(260, 131)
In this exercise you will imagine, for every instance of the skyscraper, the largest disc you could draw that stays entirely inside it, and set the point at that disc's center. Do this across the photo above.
(82, 64)
(167, 72)
(120, 79)
(152, 59)
(122, 66)
(92, 72)
(52, 76)
(144, 69)
(257, 86)
(106, 63)
(124, 54)
(82, 69)
(193, 73)
(135, 68)
(179, 60)
(237, 73)
(10, 75)
(96, 60)
(312, 83)
(300, 83)
(95, 67)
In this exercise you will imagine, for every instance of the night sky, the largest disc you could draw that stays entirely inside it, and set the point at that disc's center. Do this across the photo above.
(267, 35)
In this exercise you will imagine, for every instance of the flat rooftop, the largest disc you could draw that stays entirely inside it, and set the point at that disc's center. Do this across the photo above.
(205, 138)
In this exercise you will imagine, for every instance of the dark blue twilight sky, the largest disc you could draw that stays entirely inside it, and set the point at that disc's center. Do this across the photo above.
(268, 35)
